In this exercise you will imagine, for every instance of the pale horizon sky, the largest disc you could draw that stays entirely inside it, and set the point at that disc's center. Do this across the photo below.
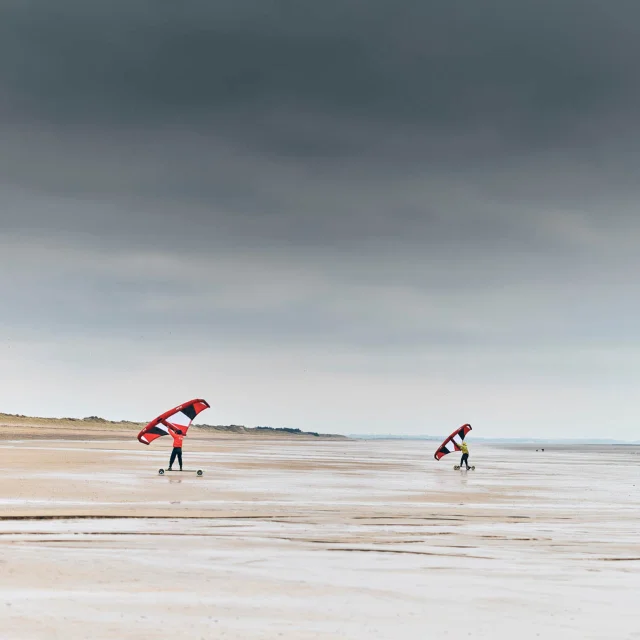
(339, 216)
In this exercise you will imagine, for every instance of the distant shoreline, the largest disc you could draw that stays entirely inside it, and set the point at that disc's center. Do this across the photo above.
(505, 441)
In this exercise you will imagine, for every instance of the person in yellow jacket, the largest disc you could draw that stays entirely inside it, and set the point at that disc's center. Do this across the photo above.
(465, 454)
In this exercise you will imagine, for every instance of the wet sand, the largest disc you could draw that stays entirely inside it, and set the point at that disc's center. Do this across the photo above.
(296, 538)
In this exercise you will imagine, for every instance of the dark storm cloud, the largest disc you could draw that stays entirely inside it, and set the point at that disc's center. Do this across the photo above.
(243, 105)
(525, 68)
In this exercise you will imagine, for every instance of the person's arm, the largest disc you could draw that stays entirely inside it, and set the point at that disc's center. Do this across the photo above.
(169, 426)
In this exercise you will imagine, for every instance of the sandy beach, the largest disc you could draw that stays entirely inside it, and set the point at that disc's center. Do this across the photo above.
(300, 538)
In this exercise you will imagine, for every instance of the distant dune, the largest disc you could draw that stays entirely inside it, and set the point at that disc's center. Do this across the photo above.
(20, 426)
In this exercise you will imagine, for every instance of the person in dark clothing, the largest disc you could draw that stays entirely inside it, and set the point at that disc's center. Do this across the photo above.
(178, 437)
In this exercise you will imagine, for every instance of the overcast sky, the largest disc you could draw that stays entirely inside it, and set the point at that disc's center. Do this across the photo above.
(355, 216)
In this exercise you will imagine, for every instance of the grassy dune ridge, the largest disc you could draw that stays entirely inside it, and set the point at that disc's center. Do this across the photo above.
(14, 426)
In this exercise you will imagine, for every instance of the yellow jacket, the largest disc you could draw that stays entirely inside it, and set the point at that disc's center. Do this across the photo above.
(464, 448)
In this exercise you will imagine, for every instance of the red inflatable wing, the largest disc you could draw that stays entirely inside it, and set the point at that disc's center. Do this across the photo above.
(450, 444)
(180, 417)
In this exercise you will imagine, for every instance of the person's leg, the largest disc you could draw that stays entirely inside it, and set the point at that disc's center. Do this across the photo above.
(179, 451)
(173, 457)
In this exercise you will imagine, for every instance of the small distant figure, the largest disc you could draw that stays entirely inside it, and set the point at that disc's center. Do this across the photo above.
(465, 455)
(178, 437)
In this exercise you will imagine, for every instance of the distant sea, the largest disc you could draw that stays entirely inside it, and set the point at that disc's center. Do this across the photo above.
(440, 438)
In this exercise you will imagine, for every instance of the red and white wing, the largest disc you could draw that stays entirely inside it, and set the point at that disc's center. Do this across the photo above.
(450, 444)
(181, 417)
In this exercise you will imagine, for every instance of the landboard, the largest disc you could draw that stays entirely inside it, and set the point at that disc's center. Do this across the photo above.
(198, 472)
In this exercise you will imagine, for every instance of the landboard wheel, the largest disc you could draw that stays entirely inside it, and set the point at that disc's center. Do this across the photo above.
(456, 467)
(199, 472)
(473, 468)
(161, 472)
